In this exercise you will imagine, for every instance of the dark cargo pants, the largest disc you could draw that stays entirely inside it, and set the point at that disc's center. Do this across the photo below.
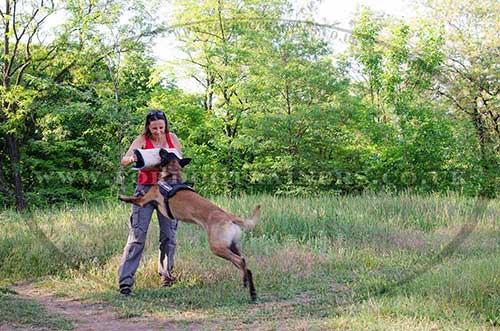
(138, 229)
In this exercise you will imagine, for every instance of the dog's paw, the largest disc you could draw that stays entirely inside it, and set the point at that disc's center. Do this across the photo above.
(168, 280)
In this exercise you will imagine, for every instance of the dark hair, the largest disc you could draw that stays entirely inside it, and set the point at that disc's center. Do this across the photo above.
(154, 115)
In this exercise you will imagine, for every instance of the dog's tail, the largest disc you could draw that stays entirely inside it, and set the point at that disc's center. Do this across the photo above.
(249, 223)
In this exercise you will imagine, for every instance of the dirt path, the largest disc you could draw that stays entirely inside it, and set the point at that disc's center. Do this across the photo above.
(90, 317)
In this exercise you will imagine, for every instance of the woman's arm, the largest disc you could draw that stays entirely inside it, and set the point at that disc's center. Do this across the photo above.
(129, 157)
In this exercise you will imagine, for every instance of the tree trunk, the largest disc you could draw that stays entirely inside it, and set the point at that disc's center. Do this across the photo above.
(487, 160)
(116, 93)
(4, 188)
(16, 171)
(481, 133)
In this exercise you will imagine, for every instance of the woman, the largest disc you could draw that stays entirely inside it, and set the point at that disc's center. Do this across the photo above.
(155, 135)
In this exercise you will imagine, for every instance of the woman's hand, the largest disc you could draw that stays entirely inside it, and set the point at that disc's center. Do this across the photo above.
(126, 160)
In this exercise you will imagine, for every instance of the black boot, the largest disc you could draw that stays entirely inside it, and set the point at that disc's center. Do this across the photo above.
(125, 289)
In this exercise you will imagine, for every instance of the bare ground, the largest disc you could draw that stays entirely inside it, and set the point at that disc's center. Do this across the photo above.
(90, 317)
(100, 316)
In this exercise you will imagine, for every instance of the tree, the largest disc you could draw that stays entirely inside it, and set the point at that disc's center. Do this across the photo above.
(268, 88)
(216, 36)
(21, 22)
(398, 61)
(302, 110)
(469, 78)
(44, 79)
(96, 107)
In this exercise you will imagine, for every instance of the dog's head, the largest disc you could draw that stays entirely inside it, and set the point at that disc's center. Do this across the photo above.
(171, 164)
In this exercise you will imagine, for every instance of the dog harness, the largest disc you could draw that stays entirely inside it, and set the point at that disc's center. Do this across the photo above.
(168, 190)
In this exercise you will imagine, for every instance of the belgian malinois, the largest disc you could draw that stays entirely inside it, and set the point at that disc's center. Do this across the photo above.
(223, 229)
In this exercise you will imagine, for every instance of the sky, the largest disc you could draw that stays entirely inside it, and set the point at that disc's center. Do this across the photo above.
(329, 11)
(343, 11)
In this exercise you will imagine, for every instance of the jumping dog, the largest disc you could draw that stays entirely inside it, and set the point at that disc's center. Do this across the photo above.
(223, 229)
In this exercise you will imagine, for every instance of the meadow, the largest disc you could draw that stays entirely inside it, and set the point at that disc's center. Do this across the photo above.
(367, 262)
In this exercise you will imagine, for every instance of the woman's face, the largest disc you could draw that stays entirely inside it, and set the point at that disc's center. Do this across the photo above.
(157, 128)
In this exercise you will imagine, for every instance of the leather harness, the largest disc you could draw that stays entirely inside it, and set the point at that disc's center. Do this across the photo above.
(168, 190)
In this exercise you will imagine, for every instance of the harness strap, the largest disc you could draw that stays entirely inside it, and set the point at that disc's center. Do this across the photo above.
(169, 211)
(168, 190)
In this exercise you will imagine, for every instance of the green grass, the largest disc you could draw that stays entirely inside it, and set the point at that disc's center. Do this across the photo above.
(370, 262)
(17, 311)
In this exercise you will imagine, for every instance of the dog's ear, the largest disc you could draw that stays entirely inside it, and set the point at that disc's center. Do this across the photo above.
(163, 153)
(184, 162)
(164, 157)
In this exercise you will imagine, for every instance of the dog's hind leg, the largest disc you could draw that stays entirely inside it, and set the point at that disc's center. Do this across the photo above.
(228, 254)
(251, 287)
(235, 247)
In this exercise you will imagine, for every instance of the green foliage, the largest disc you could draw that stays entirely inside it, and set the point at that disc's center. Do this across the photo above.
(277, 112)
(416, 142)
(73, 152)
(466, 83)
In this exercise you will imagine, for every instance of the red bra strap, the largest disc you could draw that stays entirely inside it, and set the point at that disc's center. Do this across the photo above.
(149, 143)
(169, 141)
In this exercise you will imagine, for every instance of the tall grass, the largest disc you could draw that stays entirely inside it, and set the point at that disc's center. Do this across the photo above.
(359, 262)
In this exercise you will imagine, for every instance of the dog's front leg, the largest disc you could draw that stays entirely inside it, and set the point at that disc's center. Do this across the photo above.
(151, 195)
(128, 199)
